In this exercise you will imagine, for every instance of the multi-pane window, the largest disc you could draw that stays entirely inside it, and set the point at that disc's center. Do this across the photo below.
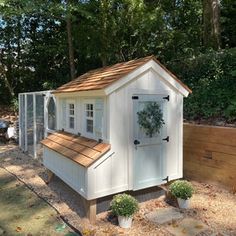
(89, 115)
(71, 115)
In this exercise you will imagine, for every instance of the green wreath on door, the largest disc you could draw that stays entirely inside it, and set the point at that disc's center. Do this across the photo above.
(151, 118)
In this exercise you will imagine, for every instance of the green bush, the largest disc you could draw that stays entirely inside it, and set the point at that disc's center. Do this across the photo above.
(15, 105)
(181, 189)
(124, 205)
(212, 78)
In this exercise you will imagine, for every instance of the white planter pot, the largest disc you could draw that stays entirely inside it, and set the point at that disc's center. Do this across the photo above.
(125, 222)
(183, 204)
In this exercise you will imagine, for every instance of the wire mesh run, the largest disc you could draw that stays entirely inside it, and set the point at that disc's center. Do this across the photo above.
(37, 118)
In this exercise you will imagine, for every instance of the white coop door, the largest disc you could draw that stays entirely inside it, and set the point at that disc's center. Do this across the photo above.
(149, 151)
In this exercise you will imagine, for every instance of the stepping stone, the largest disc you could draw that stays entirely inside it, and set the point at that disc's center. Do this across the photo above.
(219, 234)
(164, 215)
(187, 226)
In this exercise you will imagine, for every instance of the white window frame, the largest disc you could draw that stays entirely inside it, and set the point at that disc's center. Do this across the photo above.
(85, 118)
(68, 115)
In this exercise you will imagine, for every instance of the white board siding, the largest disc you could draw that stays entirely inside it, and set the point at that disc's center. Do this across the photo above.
(70, 172)
(99, 118)
(63, 114)
(151, 65)
(101, 176)
(119, 139)
(121, 131)
(173, 154)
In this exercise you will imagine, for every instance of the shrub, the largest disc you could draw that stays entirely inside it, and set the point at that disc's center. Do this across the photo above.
(15, 105)
(212, 78)
(181, 189)
(124, 205)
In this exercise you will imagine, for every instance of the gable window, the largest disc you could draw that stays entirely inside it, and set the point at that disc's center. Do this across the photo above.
(71, 115)
(89, 117)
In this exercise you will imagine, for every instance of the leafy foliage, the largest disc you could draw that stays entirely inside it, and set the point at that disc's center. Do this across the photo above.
(212, 78)
(34, 46)
(15, 105)
(181, 189)
(151, 118)
(124, 205)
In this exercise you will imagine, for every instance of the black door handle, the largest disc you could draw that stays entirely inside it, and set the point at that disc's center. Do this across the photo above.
(136, 142)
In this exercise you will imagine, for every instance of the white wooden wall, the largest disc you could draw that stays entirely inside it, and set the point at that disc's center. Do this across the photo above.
(70, 172)
(115, 173)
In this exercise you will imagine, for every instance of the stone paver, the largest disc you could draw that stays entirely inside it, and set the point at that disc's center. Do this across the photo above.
(164, 215)
(187, 227)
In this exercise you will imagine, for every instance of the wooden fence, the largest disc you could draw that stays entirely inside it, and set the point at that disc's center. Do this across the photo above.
(210, 154)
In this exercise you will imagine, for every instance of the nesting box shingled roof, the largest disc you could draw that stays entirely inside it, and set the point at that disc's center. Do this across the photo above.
(103, 77)
(81, 150)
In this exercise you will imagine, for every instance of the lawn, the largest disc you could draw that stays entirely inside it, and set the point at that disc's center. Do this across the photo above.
(22, 212)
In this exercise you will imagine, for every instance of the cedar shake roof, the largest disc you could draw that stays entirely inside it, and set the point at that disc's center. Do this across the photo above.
(105, 76)
(79, 149)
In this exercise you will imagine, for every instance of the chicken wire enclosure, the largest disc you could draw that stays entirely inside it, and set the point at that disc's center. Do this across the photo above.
(37, 118)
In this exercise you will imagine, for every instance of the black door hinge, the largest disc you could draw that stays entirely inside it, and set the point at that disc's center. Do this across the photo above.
(166, 179)
(134, 97)
(167, 139)
(167, 98)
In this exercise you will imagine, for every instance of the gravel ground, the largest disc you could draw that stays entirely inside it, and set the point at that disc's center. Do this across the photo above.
(212, 205)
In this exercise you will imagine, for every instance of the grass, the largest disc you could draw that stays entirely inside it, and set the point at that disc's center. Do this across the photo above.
(23, 213)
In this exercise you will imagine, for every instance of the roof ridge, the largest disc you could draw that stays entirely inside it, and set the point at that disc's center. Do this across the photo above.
(114, 65)
(101, 78)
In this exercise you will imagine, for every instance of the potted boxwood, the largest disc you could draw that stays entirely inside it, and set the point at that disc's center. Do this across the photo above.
(124, 206)
(183, 191)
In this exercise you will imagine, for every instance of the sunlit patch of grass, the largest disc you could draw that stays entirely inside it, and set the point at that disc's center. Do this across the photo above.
(23, 212)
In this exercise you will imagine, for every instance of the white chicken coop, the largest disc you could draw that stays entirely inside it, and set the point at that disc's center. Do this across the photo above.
(109, 139)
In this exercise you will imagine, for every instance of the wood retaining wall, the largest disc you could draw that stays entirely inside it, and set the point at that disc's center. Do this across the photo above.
(210, 154)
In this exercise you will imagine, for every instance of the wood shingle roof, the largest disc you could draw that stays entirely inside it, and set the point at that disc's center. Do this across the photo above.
(103, 77)
(79, 149)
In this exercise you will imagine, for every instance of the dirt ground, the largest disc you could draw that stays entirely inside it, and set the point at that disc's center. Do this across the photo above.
(8, 114)
(212, 205)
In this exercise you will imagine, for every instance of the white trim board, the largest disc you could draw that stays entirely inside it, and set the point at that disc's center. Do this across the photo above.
(89, 93)
(150, 65)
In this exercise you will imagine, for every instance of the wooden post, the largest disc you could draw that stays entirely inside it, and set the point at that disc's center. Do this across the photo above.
(50, 174)
(91, 210)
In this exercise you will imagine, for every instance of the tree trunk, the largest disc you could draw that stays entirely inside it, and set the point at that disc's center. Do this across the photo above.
(70, 43)
(216, 23)
(211, 24)
(10, 89)
(104, 6)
